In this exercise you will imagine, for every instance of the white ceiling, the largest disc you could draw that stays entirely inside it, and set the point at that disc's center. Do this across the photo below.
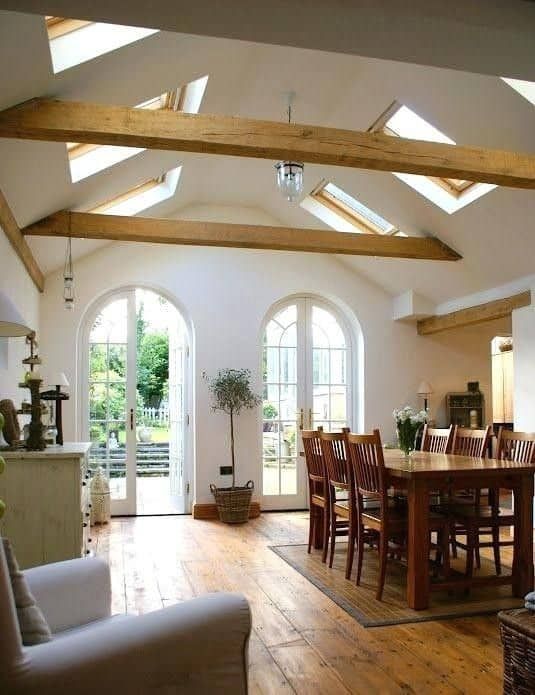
(494, 234)
(485, 36)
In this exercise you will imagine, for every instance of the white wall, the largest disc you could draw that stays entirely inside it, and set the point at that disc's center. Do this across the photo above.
(18, 286)
(225, 294)
(524, 374)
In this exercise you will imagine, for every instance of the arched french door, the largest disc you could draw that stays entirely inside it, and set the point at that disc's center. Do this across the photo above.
(306, 368)
(134, 401)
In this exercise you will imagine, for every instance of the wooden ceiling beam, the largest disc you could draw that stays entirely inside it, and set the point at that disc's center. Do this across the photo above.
(497, 309)
(19, 244)
(47, 119)
(165, 231)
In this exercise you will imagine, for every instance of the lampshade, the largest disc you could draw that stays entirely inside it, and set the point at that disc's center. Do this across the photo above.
(57, 379)
(12, 324)
(424, 389)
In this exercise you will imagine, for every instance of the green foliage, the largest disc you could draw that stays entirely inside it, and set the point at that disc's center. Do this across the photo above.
(269, 411)
(231, 391)
(153, 367)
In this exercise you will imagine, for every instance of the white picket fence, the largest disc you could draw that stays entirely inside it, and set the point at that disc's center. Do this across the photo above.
(158, 416)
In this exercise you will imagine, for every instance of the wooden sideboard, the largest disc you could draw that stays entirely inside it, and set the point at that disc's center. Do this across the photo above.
(48, 503)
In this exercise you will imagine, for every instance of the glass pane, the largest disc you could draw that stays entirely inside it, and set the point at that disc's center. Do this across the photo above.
(319, 336)
(111, 324)
(325, 324)
(289, 337)
(117, 402)
(97, 362)
(116, 446)
(287, 316)
(287, 365)
(338, 366)
(287, 403)
(288, 439)
(321, 403)
(288, 477)
(338, 403)
(271, 366)
(273, 333)
(116, 362)
(270, 483)
(270, 413)
(320, 366)
(98, 396)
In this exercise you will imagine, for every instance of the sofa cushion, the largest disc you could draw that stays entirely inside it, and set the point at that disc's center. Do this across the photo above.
(33, 627)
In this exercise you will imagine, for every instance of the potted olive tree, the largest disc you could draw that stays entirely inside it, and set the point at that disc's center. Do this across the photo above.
(231, 393)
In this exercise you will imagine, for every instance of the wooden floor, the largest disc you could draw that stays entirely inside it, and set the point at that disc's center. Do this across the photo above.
(302, 642)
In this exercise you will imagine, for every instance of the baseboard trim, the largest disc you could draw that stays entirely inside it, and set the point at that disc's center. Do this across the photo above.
(209, 511)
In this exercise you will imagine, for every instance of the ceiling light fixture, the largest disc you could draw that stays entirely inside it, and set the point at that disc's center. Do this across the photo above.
(290, 174)
(68, 278)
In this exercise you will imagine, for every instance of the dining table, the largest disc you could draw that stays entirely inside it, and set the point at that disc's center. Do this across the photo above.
(421, 473)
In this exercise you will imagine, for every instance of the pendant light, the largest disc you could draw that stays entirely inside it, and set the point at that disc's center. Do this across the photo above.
(68, 278)
(289, 173)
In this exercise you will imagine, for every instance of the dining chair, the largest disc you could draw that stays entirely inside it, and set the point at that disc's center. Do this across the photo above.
(468, 442)
(437, 440)
(339, 480)
(318, 489)
(486, 519)
(387, 520)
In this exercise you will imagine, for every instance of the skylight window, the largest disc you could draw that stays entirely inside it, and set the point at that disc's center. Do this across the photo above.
(74, 41)
(523, 87)
(448, 193)
(86, 160)
(143, 196)
(344, 213)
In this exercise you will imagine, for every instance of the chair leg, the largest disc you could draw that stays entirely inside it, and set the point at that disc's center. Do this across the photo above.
(326, 532)
(360, 550)
(470, 547)
(476, 552)
(311, 526)
(350, 548)
(333, 537)
(446, 552)
(383, 551)
(496, 548)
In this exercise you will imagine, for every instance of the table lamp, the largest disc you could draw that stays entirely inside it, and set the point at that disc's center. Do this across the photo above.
(425, 390)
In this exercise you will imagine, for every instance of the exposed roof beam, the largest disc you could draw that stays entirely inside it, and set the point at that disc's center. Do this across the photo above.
(162, 231)
(426, 32)
(47, 119)
(497, 309)
(19, 244)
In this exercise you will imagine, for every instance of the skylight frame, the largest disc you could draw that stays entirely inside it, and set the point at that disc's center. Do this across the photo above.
(326, 202)
(459, 192)
(142, 196)
(60, 26)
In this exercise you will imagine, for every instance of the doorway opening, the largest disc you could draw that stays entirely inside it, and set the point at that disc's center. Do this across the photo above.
(502, 382)
(136, 415)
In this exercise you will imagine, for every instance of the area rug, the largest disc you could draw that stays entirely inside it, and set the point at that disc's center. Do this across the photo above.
(360, 601)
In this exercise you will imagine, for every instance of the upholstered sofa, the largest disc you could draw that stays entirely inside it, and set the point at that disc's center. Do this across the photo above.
(199, 646)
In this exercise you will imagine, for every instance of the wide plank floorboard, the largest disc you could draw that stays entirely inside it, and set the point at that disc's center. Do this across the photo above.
(301, 642)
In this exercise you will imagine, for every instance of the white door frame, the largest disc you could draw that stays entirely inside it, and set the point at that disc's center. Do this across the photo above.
(304, 391)
(88, 319)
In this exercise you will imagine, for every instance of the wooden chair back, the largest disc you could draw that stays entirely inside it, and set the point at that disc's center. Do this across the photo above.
(468, 442)
(437, 441)
(368, 465)
(333, 446)
(313, 455)
(516, 446)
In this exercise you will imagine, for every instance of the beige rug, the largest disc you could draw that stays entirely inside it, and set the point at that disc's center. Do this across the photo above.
(360, 601)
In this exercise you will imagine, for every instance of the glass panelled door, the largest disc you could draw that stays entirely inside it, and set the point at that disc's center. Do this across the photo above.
(306, 357)
(136, 414)
(112, 399)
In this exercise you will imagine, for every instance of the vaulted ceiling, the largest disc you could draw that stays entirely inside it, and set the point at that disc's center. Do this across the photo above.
(493, 234)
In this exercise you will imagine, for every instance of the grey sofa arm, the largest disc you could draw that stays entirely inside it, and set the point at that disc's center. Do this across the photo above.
(194, 648)
(73, 592)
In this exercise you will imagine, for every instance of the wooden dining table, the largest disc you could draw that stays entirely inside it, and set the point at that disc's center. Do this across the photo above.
(425, 472)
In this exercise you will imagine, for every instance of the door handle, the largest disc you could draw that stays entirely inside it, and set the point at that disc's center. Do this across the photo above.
(132, 419)
(301, 418)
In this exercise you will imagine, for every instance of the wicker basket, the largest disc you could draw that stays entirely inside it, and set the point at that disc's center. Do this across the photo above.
(233, 502)
(517, 628)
